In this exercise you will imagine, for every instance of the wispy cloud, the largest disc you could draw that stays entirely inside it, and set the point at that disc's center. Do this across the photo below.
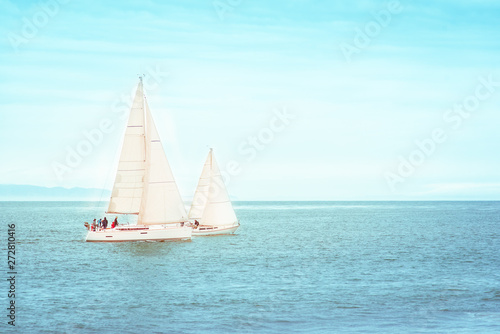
(224, 77)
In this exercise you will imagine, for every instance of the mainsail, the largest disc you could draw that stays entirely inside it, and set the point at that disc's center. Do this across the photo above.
(127, 191)
(144, 183)
(211, 198)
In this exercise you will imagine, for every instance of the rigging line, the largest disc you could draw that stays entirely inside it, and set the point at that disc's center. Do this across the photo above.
(115, 159)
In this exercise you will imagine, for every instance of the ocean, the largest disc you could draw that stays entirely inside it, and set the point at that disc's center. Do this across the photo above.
(292, 267)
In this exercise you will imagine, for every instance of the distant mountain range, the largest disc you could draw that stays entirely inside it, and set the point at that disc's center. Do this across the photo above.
(15, 192)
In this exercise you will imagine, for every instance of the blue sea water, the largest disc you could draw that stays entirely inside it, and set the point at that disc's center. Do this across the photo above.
(292, 267)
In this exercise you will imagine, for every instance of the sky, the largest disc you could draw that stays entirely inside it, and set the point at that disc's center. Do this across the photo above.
(301, 100)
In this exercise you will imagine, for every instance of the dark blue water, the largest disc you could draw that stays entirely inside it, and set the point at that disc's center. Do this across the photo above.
(292, 267)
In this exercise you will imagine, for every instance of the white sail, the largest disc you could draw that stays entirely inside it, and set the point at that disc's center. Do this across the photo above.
(127, 191)
(218, 210)
(144, 185)
(201, 194)
(162, 202)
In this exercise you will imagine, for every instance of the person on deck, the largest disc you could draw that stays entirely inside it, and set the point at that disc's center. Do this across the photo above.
(99, 223)
(105, 223)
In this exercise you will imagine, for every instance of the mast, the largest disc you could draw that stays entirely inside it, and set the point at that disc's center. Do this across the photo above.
(146, 160)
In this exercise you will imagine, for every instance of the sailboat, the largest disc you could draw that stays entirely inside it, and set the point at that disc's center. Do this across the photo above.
(144, 185)
(211, 207)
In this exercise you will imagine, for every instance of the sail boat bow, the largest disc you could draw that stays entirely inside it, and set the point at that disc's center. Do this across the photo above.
(144, 185)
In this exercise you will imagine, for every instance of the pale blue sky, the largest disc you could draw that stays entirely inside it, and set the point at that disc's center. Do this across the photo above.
(229, 73)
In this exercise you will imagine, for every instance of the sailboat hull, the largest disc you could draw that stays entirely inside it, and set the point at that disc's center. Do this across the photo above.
(141, 234)
(204, 230)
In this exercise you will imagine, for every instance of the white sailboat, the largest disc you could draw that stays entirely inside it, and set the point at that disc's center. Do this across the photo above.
(211, 206)
(144, 185)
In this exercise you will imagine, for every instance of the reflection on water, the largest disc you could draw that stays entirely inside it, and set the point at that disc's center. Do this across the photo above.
(145, 248)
